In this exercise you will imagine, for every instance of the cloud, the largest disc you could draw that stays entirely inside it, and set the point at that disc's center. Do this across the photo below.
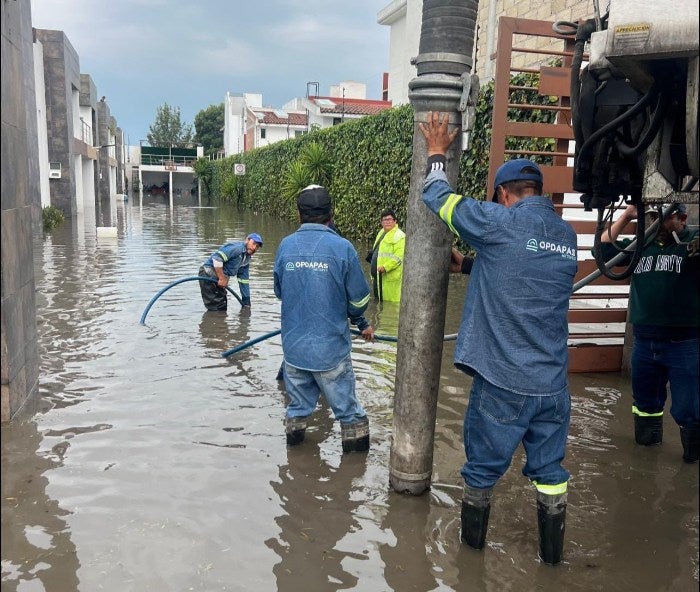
(141, 53)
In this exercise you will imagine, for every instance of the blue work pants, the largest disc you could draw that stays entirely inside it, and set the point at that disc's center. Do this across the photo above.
(658, 362)
(337, 385)
(497, 421)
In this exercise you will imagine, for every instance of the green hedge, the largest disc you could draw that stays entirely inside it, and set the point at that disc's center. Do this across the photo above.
(371, 164)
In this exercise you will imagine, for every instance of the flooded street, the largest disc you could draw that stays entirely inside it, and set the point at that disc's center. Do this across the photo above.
(152, 463)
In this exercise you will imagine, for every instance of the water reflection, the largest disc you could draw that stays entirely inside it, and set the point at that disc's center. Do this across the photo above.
(220, 331)
(36, 540)
(384, 316)
(316, 495)
(155, 464)
(407, 565)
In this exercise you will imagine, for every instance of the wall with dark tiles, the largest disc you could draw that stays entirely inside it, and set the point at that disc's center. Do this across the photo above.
(21, 212)
(61, 76)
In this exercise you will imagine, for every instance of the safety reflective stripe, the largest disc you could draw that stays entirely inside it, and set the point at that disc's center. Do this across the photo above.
(243, 281)
(636, 411)
(390, 256)
(446, 210)
(223, 256)
(360, 303)
(557, 489)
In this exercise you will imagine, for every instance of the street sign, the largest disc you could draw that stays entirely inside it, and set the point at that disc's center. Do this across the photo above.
(239, 169)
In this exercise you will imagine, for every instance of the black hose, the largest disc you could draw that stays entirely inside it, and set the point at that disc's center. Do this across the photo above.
(636, 255)
(650, 133)
(575, 91)
(566, 28)
(583, 34)
(448, 27)
(619, 120)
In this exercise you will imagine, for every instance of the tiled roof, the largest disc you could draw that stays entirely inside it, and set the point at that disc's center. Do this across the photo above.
(275, 117)
(350, 106)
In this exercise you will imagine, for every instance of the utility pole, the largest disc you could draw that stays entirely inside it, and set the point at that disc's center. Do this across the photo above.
(315, 85)
(443, 83)
(342, 109)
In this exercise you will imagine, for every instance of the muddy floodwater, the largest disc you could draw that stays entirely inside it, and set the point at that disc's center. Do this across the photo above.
(151, 463)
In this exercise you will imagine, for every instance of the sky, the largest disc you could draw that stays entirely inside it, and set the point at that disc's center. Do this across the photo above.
(189, 53)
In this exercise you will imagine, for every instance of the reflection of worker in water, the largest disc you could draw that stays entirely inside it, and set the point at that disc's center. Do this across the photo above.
(318, 509)
(219, 335)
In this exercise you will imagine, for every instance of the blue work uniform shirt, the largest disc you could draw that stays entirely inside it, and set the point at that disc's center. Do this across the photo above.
(321, 283)
(514, 327)
(236, 262)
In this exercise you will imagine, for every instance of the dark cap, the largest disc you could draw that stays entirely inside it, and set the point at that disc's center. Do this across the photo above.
(677, 208)
(314, 201)
(670, 209)
(519, 169)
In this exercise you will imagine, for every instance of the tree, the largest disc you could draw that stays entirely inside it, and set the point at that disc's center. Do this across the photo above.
(169, 129)
(208, 125)
(204, 170)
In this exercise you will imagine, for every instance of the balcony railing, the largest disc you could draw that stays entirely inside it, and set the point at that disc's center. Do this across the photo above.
(85, 132)
(167, 160)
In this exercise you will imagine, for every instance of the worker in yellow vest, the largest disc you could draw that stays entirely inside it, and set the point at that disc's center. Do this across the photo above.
(386, 263)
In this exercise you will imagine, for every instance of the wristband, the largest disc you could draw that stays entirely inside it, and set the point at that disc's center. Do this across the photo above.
(436, 162)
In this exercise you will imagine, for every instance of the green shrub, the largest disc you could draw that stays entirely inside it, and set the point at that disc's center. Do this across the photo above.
(52, 217)
(366, 163)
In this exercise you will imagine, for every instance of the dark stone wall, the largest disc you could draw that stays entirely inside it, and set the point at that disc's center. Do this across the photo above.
(61, 76)
(103, 120)
(120, 160)
(21, 211)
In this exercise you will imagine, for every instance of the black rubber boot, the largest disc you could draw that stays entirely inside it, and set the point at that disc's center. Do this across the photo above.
(476, 507)
(295, 430)
(648, 431)
(690, 439)
(551, 519)
(355, 436)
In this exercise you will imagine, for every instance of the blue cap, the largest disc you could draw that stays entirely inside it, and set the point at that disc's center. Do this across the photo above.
(520, 169)
(256, 237)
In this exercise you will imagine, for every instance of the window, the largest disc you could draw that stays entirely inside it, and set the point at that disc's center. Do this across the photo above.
(298, 133)
(336, 120)
(262, 133)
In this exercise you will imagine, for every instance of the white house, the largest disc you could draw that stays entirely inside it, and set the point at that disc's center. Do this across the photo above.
(404, 19)
(249, 125)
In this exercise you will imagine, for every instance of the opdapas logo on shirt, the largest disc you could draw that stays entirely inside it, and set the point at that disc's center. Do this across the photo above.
(566, 252)
(312, 265)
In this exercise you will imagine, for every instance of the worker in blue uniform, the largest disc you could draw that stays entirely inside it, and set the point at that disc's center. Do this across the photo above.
(229, 260)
